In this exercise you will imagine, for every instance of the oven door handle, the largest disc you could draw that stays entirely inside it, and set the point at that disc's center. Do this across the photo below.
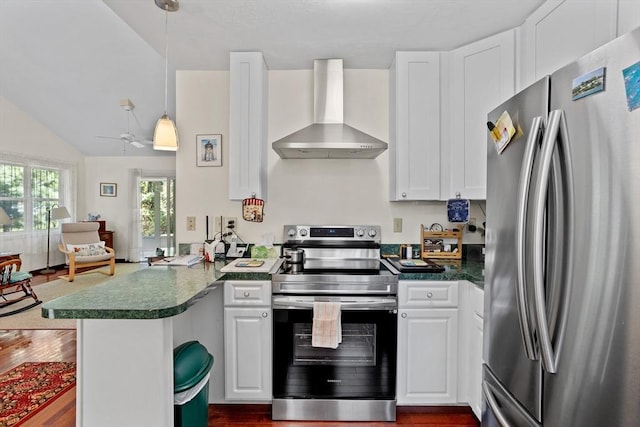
(360, 304)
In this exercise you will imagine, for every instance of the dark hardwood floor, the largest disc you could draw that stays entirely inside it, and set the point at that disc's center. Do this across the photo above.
(260, 416)
(18, 346)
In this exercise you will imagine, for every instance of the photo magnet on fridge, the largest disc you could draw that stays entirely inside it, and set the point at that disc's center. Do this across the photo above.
(588, 84)
(631, 77)
(502, 132)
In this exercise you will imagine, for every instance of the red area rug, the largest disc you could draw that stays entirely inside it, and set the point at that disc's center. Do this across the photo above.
(29, 387)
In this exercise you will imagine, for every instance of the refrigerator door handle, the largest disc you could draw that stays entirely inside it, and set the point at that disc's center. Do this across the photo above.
(557, 127)
(523, 203)
(493, 403)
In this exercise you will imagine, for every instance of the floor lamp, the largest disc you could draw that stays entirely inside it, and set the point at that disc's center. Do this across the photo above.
(53, 213)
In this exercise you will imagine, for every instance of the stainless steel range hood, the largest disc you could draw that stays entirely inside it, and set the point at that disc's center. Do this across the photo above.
(328, 136)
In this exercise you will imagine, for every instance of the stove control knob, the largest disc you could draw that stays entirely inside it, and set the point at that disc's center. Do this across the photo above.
(372, 232)
(303, 232)
(291, 232)
(360, 233)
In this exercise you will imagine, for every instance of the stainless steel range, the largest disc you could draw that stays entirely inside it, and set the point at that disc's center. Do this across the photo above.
(356, 381)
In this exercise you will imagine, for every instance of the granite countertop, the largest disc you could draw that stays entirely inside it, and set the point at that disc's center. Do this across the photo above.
(150, 293)
(164, 291)
(471, 270)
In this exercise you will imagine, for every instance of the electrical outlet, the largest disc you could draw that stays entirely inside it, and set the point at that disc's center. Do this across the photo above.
(397, 225)
(191, 223)
(232, 223)
(218, 224)
(471, 225)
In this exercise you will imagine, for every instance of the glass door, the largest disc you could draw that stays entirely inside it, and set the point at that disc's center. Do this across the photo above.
(157, 219)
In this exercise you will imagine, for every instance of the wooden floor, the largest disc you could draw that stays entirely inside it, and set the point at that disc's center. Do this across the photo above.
(408, 416)
(18, 346)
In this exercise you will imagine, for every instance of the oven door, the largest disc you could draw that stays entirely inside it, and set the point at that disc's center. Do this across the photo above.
(362, 367)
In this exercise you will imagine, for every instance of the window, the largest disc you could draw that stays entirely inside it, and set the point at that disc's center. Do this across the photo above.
(12, 192)
(27, 192)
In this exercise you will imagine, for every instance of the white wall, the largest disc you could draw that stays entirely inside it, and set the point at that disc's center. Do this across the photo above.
(300, 191)
(116, 210)
(21, 135)
(202, 107)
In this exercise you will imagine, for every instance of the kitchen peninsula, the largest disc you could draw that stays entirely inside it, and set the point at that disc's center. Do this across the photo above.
(127, 332)
(125, 341)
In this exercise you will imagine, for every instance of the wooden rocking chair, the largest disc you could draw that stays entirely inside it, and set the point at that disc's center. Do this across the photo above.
(15, 286)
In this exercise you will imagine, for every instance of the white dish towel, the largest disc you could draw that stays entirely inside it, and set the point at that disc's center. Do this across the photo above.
(326, 330)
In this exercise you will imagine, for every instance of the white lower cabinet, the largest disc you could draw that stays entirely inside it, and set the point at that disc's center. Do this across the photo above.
(470, 342)
(427, 342)
(475, 362)
(247, 340)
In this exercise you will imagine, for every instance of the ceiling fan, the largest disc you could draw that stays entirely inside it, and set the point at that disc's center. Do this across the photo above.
(128, 137)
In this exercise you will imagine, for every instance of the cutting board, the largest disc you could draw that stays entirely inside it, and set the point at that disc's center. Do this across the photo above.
(415, 266)
(249, 265)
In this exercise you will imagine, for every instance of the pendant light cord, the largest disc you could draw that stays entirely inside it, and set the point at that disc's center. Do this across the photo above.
(166, 55)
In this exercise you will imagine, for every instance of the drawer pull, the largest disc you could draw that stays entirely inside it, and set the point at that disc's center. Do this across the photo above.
(404, 315)
(246, 294)
(429, 294)
(265, 314)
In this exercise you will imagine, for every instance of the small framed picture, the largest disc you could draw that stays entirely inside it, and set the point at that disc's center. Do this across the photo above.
(209, 150)
(108, 189)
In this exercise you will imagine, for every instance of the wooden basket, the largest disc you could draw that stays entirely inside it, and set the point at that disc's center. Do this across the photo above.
(434, 244)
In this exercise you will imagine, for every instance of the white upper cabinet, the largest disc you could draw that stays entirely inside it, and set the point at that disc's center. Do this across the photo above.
(561, 31)
(628, 15)
(483, 76)
(414, 126)
(247, 126)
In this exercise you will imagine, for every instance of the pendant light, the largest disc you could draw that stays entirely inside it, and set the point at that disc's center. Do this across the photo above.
(165, 136)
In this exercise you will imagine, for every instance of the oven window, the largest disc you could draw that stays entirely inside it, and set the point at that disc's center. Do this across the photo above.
(358, 346)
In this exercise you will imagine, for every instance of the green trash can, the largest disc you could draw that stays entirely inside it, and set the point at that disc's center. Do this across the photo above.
(191, 366)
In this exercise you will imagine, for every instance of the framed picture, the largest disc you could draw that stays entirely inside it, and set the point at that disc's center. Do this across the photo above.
(108, 189)
(209, 150)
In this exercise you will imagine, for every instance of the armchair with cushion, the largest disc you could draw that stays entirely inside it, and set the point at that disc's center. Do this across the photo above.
(83, 248)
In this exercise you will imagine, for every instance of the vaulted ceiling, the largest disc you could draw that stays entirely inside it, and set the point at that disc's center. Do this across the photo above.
(68, 63)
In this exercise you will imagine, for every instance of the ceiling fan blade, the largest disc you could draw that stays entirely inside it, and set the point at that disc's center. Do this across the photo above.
(108, 137)
(136, 144)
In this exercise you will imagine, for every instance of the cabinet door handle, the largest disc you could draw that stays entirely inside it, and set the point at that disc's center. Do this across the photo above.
(404, 315)
(404, 194)
(429, 294)
(265, 314)
(246, 294)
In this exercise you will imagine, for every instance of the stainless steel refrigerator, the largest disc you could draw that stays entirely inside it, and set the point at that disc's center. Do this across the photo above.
(562, 282)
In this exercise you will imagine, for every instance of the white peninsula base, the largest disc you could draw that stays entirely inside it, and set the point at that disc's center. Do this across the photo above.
(125, 373)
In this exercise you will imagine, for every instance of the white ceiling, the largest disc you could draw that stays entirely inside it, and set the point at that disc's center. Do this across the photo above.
(68, 63)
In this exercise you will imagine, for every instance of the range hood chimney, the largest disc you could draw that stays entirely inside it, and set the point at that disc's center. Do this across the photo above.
(328, 137)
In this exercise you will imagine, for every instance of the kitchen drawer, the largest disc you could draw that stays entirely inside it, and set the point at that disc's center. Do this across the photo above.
(247, 293)
(417, 293)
